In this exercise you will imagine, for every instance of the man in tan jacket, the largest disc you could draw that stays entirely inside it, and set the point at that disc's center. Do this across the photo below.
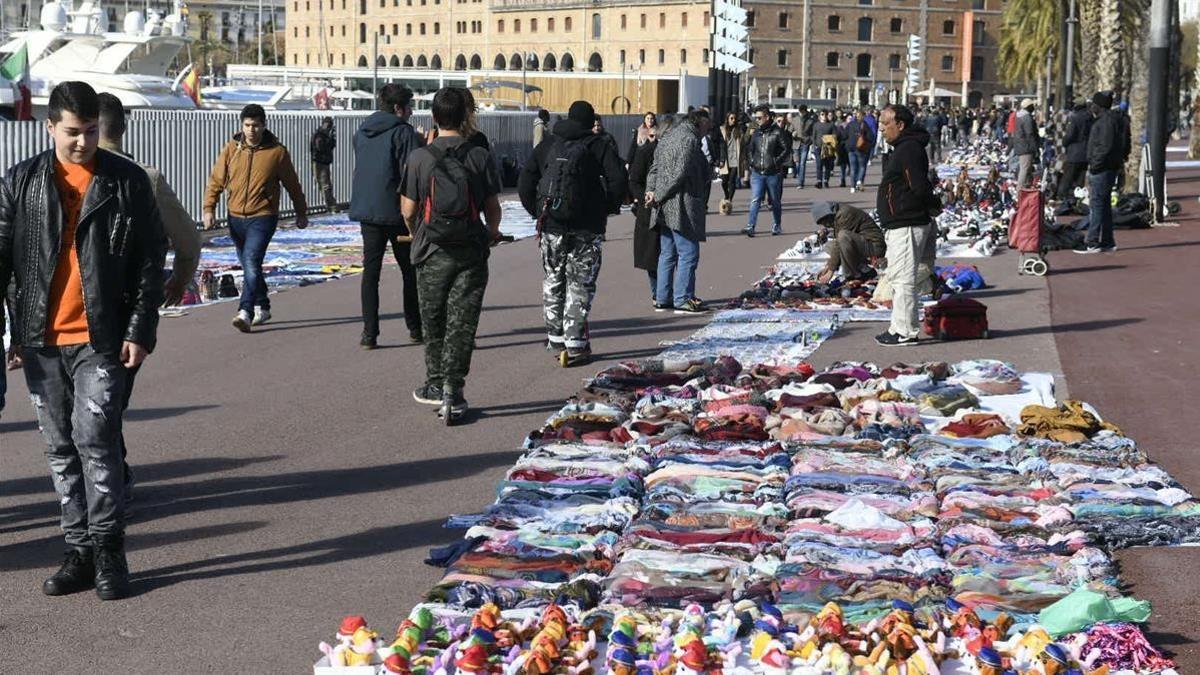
(250, 169)
(178, 225)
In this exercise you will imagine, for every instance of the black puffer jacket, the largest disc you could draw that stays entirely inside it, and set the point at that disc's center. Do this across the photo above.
(381, 148)
(905, 194)
(770, 150)
(604, 172)
(119, 242)
(1079, 127)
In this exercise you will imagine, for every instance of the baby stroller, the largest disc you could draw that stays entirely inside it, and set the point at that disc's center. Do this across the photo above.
(1025, 232)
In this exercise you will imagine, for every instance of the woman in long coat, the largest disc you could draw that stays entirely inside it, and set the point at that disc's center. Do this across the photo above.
(645, 234)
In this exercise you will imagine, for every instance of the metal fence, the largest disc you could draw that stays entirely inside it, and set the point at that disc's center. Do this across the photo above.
(184, 144)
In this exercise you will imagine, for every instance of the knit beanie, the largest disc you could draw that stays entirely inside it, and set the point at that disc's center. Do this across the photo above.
(1103, 99)
(582, 112)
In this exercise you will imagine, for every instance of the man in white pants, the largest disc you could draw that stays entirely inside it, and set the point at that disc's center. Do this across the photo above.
(905, 205)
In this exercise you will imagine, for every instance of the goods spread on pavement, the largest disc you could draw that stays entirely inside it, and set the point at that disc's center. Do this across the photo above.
(728, 508)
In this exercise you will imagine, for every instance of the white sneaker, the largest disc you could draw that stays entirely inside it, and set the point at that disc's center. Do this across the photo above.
(261, 316)
(242, 321)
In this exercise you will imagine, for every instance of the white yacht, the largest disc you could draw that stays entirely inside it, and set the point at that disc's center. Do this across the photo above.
(73, 44)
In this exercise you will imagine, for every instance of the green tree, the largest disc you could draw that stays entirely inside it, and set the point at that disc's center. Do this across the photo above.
(1028, 30)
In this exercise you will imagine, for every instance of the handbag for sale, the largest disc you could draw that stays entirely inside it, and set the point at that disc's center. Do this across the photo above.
(957, 318)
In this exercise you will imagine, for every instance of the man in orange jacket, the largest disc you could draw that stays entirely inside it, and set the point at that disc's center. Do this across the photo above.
(250, 168)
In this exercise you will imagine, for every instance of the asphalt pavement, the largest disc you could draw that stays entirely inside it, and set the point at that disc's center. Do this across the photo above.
(286, 478)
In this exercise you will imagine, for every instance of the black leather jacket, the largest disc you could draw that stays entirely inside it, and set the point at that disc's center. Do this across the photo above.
(119, 242)
(770, 150)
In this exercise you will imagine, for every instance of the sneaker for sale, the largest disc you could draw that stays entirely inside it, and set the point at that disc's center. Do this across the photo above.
(1086, 249)
(78, 573)
(429, 394)
(261, 316)
(692, 306)
(889, 339)
(243, 320)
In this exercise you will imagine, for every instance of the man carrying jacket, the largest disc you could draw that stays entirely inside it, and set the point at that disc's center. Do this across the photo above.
(1075, 142)
(250, 168)
(904, 205)
(321, 147)
(381, 148)
(80, 232)
(574, 171)
(1105, 154)
(855, 242)
(1025, 142)
(770, 152)
(178, 226)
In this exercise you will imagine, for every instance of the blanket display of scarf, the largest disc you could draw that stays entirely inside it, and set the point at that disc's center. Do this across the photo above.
(698, 514)
(329, 248)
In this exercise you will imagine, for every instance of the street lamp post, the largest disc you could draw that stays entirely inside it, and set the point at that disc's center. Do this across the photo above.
(260, 32)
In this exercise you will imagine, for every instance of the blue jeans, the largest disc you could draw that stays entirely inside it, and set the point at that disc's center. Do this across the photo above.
(251, 236)
(653, 274)
(802, 154)
(1100, 220)
(772, 186)
(677, 260)
(858, 167)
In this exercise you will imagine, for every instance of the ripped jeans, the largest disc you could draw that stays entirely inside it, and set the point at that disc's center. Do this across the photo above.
(79, 395)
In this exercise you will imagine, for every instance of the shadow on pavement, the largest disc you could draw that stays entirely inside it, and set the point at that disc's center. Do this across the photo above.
(1080, 327)
(366, 544)
(511, 409)
(1059, 271)
(138, 414)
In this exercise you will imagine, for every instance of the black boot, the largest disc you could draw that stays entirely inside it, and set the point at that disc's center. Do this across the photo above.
(112, 572)
(78, 573)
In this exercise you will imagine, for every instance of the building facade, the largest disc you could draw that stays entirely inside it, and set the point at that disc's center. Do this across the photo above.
(855, 51)
(669, 37)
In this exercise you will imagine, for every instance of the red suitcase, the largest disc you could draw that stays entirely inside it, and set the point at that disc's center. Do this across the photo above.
(957, 318)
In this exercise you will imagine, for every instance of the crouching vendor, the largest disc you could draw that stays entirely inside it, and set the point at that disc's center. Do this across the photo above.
(856, 243)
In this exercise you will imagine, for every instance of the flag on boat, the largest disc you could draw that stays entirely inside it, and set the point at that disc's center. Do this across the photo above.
(16, 70)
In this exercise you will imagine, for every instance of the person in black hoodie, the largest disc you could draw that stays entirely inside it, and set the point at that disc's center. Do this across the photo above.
(905, 205)
(1075, 143)
(1106, 152)
(381, 148)
(574, 181)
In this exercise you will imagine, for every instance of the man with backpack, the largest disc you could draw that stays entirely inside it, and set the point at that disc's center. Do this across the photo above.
(573, 183)
(321, 146)
(446, 186)
(381, 149)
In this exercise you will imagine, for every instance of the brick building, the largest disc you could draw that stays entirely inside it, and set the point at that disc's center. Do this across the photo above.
(669, 37)
(855, 51)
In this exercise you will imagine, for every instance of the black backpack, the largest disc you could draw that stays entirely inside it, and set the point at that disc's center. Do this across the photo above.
(450, 214)
(562, 194)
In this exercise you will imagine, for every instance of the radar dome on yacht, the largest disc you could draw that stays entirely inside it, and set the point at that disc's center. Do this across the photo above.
(134, 23)
(54, 16)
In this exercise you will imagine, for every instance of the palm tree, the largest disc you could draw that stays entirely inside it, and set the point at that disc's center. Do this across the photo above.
(1028, 28)
(1089, 37)
(1138, 101)
(1111, 51)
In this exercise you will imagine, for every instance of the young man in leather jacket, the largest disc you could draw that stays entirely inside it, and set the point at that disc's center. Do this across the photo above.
(770, 154)
(81, 234)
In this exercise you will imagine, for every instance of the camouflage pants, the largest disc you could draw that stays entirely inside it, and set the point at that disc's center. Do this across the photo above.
(571, 262)
(451, 296)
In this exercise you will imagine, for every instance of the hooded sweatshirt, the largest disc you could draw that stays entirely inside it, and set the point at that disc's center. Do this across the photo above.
(602, 173)
(252, 176)
(905, 196)
(381, 148)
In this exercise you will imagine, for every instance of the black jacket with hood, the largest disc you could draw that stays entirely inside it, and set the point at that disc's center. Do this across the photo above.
(381, 147)
(905, 194)
(606, 172)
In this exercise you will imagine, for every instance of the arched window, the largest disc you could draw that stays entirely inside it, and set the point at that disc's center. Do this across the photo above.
(549, 63)
(499, 63)
(476, 62)
(408, 62)
(394, 62)
(595, 63)
(567, 63)
(460, 62)
(596, 26)
(567, 24)
(422, 62)
(381, 61)
(362, 62)
(531, 62)
(515, 62)
(435, 63)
